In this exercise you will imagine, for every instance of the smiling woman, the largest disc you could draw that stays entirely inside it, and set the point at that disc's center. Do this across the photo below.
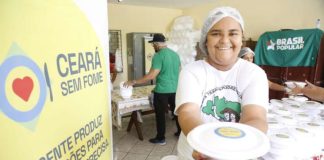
(224, 41)
(222, 87)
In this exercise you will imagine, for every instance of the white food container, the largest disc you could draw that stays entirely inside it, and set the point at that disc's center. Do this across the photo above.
(125, 92)
(230, 141)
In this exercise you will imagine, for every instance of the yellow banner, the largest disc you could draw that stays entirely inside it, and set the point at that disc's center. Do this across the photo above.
(54, 94)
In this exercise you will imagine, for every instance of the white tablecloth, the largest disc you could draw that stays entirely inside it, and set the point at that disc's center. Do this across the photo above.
(140, 100)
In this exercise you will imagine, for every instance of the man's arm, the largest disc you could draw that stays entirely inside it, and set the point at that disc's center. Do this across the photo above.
(255, 116)
(150, 76)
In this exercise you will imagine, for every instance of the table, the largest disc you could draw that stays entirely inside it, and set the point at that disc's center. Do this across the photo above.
(140, 100)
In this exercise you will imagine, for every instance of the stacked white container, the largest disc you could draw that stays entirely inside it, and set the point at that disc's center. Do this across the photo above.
(296, 129)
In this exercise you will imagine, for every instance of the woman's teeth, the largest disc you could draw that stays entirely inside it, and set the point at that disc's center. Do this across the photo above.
(224, 48)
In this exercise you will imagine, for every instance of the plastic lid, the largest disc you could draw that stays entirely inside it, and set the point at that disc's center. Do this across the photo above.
(302, 117)
(300, 98)
(267, 157)
(300, 133)
(320, 121)
(275, 125)
(288, 120)
(283, 111)
(291, 101)
(282, 152)
(312, 126)
(271, 118)
(311, 104)
(282, 140)
(292, 84)
(225, 140)
(295, 108)
(271, 115)
(276, 102)
(170, 157)
(321, 107)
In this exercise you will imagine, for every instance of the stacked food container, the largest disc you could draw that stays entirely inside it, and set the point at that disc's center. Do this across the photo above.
(296, 129)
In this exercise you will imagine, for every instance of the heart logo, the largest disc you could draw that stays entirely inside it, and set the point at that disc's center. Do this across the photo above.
(23, 87)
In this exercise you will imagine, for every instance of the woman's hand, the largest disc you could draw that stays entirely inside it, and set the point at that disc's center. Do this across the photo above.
(314, 92)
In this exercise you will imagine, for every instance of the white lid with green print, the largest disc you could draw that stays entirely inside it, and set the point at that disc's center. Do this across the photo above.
(226, 140)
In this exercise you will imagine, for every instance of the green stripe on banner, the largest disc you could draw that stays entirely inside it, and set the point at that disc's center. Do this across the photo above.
(288, 48)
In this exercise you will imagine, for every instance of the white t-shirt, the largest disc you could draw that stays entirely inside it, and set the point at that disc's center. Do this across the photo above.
(220, 94)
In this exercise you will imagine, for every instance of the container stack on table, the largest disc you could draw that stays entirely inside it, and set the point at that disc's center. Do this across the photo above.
(296, 129)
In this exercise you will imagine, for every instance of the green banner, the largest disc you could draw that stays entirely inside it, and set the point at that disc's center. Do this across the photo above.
(288, 48)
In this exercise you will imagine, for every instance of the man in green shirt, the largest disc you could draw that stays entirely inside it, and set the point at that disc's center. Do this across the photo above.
(165, 68)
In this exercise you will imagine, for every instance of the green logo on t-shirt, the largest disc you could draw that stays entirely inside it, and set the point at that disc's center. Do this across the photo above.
(222, 109)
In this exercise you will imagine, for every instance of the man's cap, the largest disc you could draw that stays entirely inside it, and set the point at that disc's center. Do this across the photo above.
(157, 38)
(215, 16)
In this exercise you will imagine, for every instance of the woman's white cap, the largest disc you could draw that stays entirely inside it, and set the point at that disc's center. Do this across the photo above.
(215, 16)
(244, 51)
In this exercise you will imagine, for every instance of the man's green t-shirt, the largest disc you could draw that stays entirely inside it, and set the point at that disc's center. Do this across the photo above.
(168, 62)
